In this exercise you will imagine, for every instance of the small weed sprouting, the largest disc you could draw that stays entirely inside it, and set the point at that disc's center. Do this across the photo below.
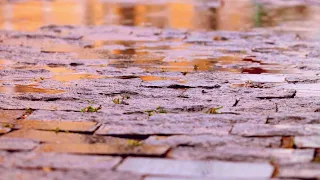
(57, 130)
(28, 111)
(116, 101)
(214, 110)
(149, 112)
(159, 110)
(248, 83)
(91, 109)
(134, 143)
(7, 125)
(120, 100)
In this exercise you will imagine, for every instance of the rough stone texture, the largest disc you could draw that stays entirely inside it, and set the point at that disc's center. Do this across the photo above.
(303, 79)
(276, 94)
(298, 104)
(246, 154)
(60, 137)
(63, 116)
(47, 136)
(170, 129)
(307, 141)
(249, 94)
(209, 140)
(10, 115)
(294, 118)
(17, 144)
(147, 150)
(172, 178)
(262, 107)
(213, 169)
(79, 116)
(275, 130)
(48, 174)
(209, 118)
(3, 155)
(61, 161)
(4, 130)
(305, 171)
(56, 125)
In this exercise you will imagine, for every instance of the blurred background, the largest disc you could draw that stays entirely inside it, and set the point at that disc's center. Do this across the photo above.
(28, 15)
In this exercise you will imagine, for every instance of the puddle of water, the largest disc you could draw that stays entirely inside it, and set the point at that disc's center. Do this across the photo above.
(76, 51)
(159, 78)
(235, 15)
(29, 15)
(63, 74)
(207, 64)
(96, 52)
(27, 89)
(59, 70)
(73, 77)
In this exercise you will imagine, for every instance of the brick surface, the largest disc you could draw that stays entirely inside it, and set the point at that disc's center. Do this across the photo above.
(213, 169)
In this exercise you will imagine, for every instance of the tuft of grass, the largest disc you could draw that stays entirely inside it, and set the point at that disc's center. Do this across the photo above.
(7, 125)
(159, 110)
(91, 109)
(116, 101)
(213, 110)
(149, 112)
(134, 143)
(28, 110)
(57, 130)
(120, 100)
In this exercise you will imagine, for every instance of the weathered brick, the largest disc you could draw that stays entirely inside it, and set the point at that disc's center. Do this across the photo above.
(246, 154)
(275, 130)
(212, 169)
